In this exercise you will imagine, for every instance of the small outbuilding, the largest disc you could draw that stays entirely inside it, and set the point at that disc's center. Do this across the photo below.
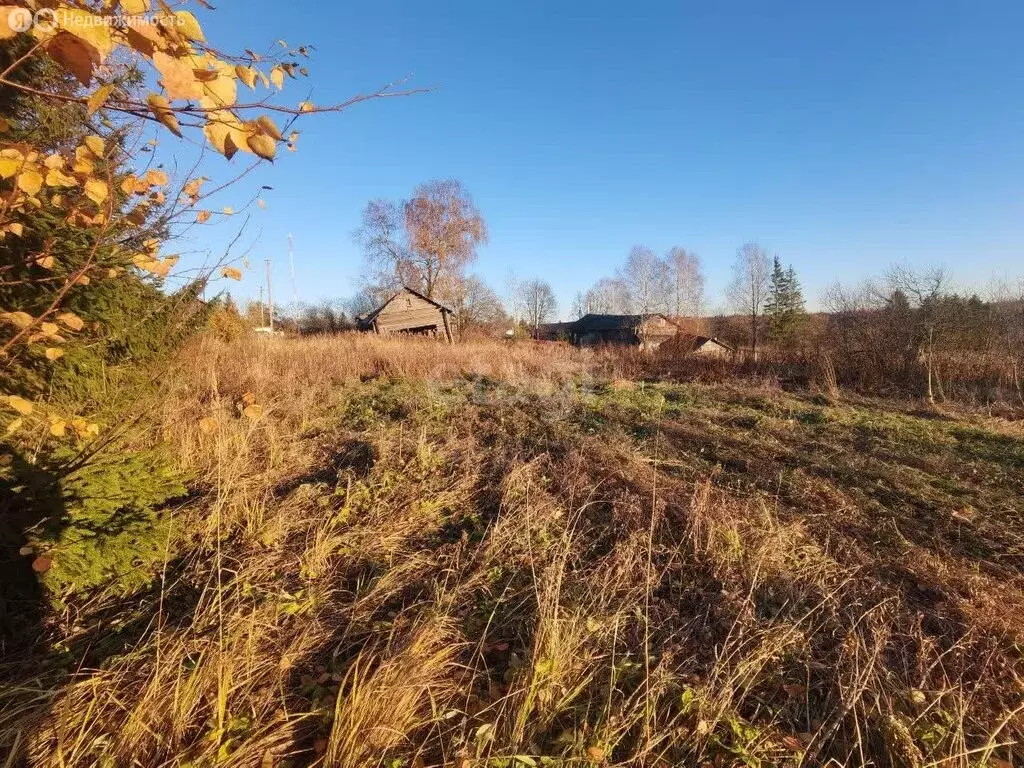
(409, 311)
(700, 346)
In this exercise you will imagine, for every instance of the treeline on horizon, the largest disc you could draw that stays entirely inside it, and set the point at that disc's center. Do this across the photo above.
(908, 330)
(882, 335)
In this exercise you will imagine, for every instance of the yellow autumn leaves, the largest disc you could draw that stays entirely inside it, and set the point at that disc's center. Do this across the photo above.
(28, 413)
(20, 404)
(81, 428)
(246, 406)
(48, 331)
(55, 424)
(81, 41)
(148, 259)
(30, 181)
(229, 135)
(249, 407)
(196, 87)
(71, 320)
(96, 190)
(53, 174)
(161, 109)
(192, 189)
(202, 78)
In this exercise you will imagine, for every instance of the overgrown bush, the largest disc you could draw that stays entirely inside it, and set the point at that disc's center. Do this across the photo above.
(89, 500)
(104, 525)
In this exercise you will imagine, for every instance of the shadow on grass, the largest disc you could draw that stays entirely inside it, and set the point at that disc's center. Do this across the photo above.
(30, 498)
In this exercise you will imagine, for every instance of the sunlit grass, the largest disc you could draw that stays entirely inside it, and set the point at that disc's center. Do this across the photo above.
(497, 554)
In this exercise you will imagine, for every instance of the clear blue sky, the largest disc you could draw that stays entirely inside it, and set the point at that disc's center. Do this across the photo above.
(843, 135)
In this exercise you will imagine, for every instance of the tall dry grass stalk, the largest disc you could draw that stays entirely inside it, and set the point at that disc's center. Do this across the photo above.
(828, 381)
(389, 694)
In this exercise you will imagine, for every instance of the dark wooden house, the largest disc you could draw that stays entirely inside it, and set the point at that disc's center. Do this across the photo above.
(409, 311)
(555, 331)
(645, 331)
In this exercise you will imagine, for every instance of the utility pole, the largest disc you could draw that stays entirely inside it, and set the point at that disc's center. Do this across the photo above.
(270, 298)
(263, 312)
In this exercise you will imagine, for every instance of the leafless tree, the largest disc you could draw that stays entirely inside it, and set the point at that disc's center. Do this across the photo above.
(749, 287)
(1006, 300)
(476, 306)
(384, 241)
(919, 285)
(425, 242)
(687, 282)
(842, 299)
(866, 325)
(364, 302)
(922, 287)
(580, 305)
(327, 316)
(608, 296)
(535, 303)
(647, 278)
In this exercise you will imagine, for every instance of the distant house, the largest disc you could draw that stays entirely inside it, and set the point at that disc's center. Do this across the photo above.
(702, 346)
(555, 331)
(644, 331)
(409, 311)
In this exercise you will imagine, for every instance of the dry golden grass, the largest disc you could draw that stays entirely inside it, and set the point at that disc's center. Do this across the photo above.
(294, 366)
(411, 554)
(387, 694)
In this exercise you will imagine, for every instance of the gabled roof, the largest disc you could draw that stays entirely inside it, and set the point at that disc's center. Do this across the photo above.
(437, 304)
(686, 342)
(555, 329)
(366, 320)
(594, 323)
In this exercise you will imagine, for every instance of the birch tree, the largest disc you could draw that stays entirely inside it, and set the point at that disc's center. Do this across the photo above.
(748, 290)
(608, 296)
(647, 278)
(425, 242)
(535, 303)
(686, 279)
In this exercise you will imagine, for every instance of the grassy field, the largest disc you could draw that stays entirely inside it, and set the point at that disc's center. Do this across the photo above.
(405, 554)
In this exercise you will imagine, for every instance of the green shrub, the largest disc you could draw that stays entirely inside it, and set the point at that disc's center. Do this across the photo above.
(106, 526)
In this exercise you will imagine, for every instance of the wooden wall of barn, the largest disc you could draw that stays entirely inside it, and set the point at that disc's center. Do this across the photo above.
(407, 312)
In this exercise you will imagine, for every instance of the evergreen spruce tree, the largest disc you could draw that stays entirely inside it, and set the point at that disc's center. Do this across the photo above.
(88, 506)
(776, 303)
(786, 306)
(797, 306)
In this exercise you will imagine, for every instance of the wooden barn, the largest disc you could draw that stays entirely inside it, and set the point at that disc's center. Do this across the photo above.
(409, 311)
(701, 346)
(645, 331)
